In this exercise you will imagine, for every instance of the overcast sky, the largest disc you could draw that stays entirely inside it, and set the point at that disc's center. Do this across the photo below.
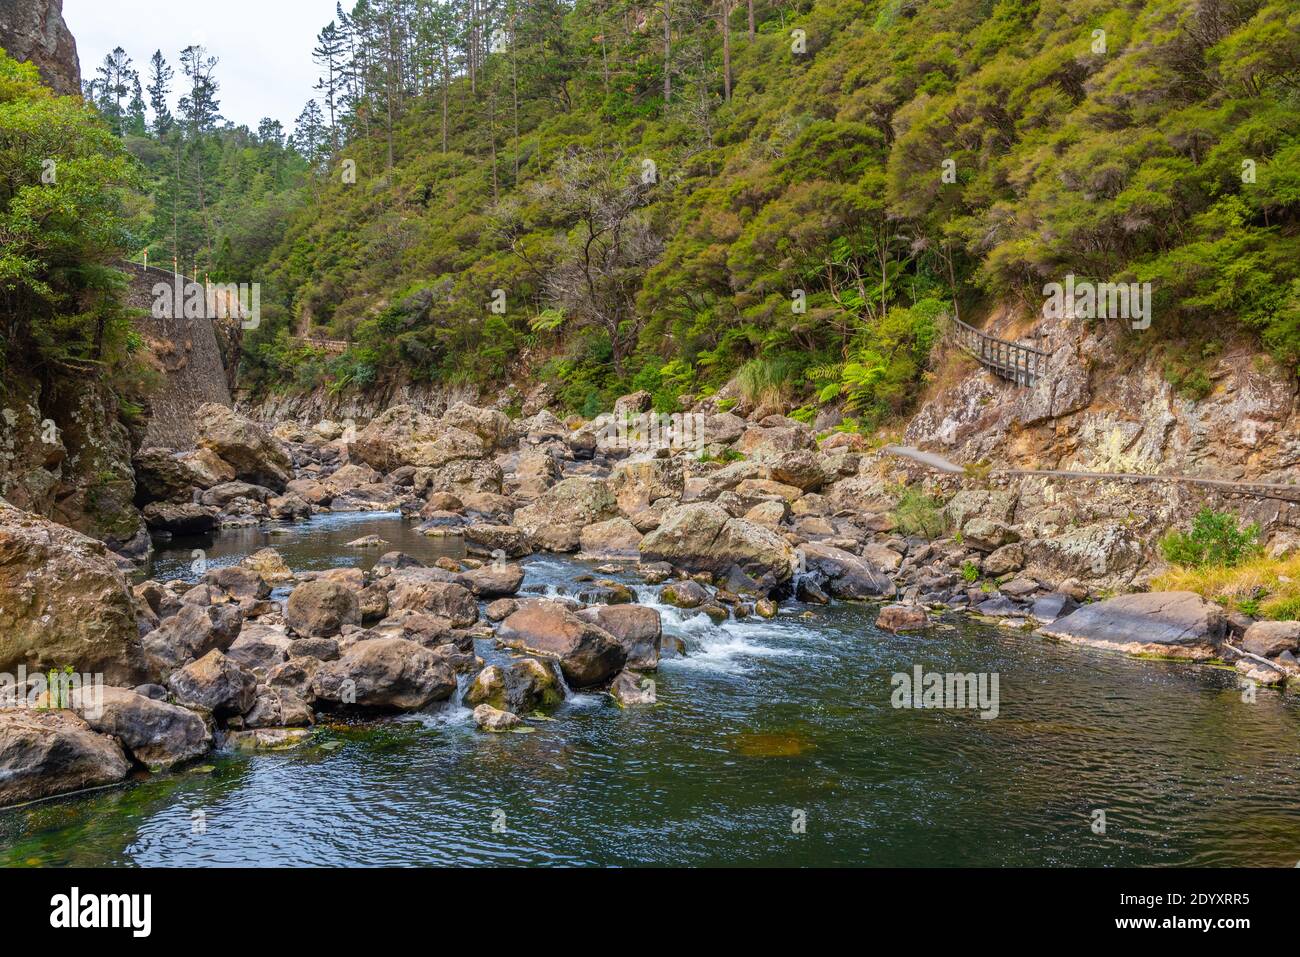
(264, 46)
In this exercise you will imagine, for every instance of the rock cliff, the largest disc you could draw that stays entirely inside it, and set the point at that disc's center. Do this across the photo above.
(34, 30)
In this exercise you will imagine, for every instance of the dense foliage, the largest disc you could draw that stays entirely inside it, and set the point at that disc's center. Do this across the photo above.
(658, 192)
(1215, 538)
(66, 201)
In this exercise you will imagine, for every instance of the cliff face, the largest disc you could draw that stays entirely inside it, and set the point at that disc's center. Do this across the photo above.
(34, 30)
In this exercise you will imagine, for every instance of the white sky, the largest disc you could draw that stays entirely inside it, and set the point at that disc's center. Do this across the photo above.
(264, 46)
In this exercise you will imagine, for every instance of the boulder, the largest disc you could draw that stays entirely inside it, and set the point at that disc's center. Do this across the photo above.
(685, 594)
(269, 564)
(492, 581)
(464, 478)
(180, 518)
(525, 685)
(387, 673)
(320, 609)
(844, 574)
(637, 628)
(489, 718)
(490, 425)
(639, 483)
(64, 601)
(402, 436)
(630, 689)
(427, 590)
(278, 708)
(899, 618)
(800, 468)
(43, 753)
(1169, 624)
(214, 683)
(556, 520)
(191, 633)
(155, 733)
(253, 454)
(481, 539)
(587, 654)
(614, 540)
(703, 537)
(1268, 639)
(535, 472)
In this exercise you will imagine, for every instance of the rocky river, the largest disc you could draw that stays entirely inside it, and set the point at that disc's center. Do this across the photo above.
(772, 742)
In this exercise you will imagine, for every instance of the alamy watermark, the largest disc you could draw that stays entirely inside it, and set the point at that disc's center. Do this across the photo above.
(209, 300)
(951, 690)
(1084, 299)
(55, 689)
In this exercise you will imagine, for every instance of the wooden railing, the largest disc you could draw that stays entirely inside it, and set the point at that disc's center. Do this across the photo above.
(1023, 365)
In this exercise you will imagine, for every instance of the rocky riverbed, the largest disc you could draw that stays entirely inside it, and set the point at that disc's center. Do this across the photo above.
(754, 515)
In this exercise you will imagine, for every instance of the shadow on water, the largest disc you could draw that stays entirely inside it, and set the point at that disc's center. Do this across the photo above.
(775, 742)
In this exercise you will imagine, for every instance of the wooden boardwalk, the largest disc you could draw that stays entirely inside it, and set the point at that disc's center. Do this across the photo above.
(1023, 365)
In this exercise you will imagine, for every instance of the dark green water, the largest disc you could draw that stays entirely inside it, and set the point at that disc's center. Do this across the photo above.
(764, 722)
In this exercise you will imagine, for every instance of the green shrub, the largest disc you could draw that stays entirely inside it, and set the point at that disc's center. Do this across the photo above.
(916, 513)
(1215, 538)
(970, 572)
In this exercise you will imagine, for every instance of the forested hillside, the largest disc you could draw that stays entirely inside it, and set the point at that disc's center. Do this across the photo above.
(652, 195)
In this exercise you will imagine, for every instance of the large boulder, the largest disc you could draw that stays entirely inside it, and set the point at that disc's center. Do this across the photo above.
(191, 633)
(1178, 624)
(254, 455)
(320, 609)
(638, 628)
(53, 752)
(556, 520)
(63, 601)
(637, 484)
(214, 683)
(703, 537)
(388, 673)
(156, 734)
(180, 518)
(844, 574)
(490, 425)
(427, 590)
(525, 685)
(463, 477)
(1270, 638)
(588, 655)
(614, 540)
(492, 581)
(402, 436)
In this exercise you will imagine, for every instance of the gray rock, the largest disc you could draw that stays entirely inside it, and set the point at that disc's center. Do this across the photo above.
(1171, 624)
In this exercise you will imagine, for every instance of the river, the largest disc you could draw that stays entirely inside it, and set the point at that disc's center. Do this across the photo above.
(774, 742)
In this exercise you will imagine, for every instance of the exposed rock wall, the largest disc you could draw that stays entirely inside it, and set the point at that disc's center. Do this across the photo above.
(34, 30)
(1107, 407)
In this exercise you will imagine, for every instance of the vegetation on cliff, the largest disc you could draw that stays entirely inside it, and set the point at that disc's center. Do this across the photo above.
(662, 192)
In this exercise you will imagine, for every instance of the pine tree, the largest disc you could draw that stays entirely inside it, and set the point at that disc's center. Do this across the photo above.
(159, 88)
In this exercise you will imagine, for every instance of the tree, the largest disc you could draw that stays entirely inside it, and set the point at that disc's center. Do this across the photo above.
(609, 245)
(329, 54)
(199, 107)
(159, 88)
(115, 80)
(60, 304)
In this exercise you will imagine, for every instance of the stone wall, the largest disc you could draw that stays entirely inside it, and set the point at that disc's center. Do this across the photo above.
(189, 356)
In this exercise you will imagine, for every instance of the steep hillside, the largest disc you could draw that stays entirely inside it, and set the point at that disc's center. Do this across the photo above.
(809, 202)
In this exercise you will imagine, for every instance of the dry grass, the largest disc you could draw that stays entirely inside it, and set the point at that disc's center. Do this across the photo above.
(1261, 587)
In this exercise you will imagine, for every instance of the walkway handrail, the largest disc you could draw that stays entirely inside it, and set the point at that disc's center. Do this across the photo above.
(329, 345)
(1021, 364)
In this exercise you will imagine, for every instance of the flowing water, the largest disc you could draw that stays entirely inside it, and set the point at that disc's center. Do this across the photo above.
(774, 742)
